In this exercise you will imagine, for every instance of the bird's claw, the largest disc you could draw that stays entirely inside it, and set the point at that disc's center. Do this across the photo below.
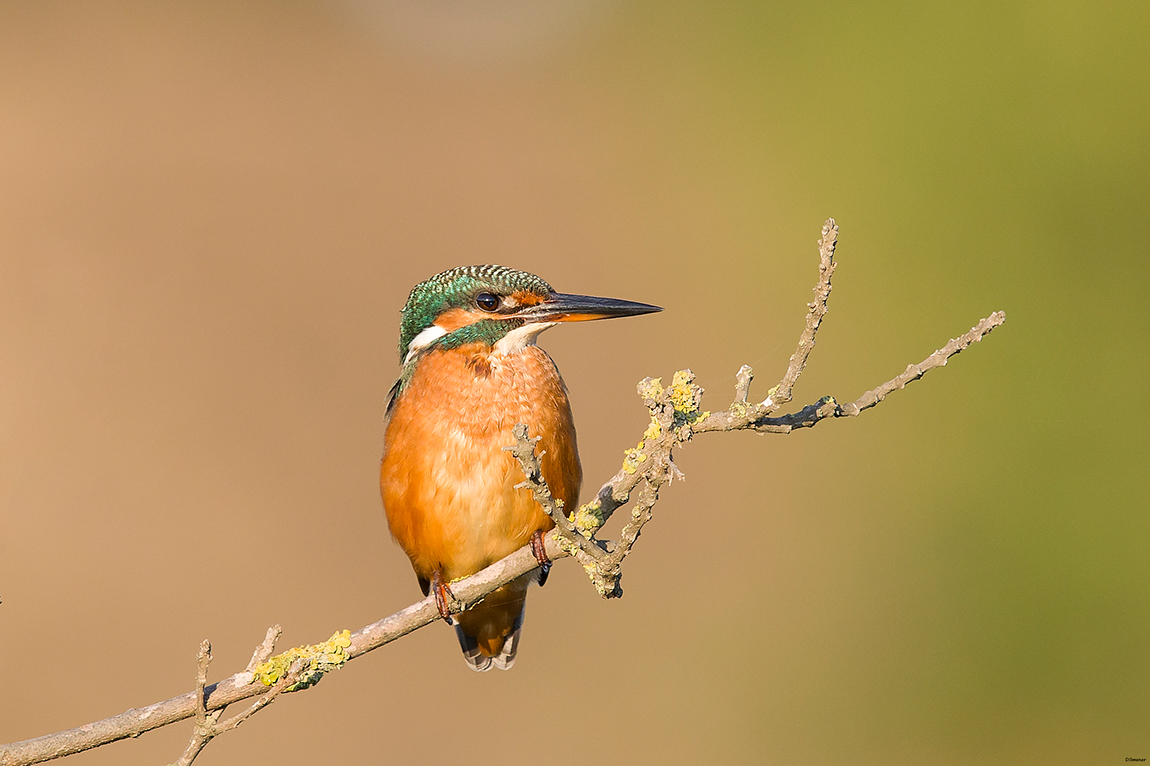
(444, 598)
(539, 548)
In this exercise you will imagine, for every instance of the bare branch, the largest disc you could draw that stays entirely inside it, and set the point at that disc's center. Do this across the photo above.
(743, 380)
(816, 310)
(132, 723)
(583, 548)
(915, 371)
(738, 418)
(202, 661)
(206, 728)
(203, 731)
(676, 415)
(265, 649)
(286, 684)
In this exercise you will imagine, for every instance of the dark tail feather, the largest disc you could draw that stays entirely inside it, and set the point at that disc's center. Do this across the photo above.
(475, 659)
(489, 632)
(480, 662)
(506, 658)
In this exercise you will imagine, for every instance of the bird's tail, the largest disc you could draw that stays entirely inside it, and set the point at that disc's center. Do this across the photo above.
(489, 633)
(475, 658)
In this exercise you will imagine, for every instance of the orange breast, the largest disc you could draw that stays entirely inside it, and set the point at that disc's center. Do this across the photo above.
(448, 486)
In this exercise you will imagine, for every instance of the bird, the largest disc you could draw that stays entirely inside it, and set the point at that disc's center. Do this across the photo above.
(471, 370)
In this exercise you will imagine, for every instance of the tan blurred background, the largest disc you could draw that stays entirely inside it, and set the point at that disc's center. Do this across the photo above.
(211, 214)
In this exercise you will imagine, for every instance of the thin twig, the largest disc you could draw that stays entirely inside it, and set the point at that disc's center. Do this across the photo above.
(743, 380)
(290, 679)
(827, 407)
(816, 310)
(265, 649)
(915, 371)
(203, 731)
(203, 659)
(523, 450)
(207, 727)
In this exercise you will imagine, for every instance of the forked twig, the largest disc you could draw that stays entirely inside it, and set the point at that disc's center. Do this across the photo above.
(207, 726)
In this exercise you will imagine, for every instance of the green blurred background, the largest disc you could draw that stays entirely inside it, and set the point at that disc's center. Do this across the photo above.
(211, 213)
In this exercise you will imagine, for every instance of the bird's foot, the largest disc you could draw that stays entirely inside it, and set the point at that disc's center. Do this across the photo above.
(444, 598)
(539, 548)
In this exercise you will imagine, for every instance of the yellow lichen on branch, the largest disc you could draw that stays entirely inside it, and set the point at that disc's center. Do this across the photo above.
(588, 519)
(321, 658)
(685, 396)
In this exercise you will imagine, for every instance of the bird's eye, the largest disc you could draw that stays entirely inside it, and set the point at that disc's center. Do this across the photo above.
(487, 301)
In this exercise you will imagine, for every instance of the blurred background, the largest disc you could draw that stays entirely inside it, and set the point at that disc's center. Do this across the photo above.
(211, 214)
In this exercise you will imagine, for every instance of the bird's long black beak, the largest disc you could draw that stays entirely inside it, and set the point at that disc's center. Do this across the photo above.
(560, 307)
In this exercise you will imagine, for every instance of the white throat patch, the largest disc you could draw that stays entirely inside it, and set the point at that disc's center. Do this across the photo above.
(521, 337)
(424, 339)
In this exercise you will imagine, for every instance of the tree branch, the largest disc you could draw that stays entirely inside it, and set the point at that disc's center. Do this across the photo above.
(816, 310)
(584, 549)
(676, 416)
(738, 418)
(206, 727)
(245, 685)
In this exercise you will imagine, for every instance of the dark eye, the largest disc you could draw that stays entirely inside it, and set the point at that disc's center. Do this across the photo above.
(487, 301)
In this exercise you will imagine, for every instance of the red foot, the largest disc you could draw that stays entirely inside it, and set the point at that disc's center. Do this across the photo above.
(443, 597)
(539, 548)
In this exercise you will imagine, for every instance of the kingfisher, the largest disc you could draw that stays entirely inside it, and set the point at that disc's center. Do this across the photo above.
(471, 371)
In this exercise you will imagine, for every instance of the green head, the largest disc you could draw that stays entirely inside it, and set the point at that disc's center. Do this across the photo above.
(495, 306)
(458, 291)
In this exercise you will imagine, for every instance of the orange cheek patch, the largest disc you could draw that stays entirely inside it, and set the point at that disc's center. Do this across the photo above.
(524, 298)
